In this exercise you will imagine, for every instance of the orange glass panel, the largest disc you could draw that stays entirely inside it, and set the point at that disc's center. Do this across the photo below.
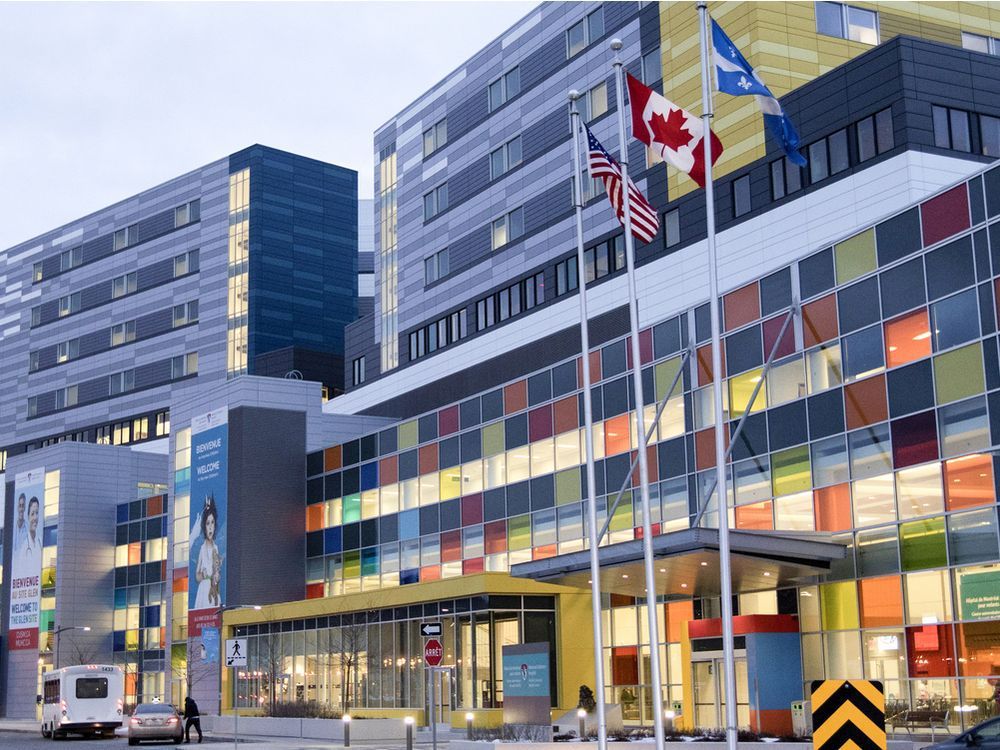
(907, 338)
(979, 650)
(677, 613)
(833, 508)
(180, 585)
(451, 546)
(864, 402)
(495, 537)
(705, 363)
(154, 505)
(515, 397)
(331, 458)
(388, 470)
(616, 435)
(314, 517)
(430, 573)
(135, 553)
(741, 307)
(565, 414)
(881, 601)
(475, 565)
(968, 482)
(755, 516)
(819, 321)
(704, 448)
(546, 550)
(428, 459)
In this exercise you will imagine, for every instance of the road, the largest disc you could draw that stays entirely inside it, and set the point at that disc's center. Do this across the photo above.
(29, 739)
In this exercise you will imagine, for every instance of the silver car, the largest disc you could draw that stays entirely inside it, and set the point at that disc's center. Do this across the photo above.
(155, 721)
(985, 736)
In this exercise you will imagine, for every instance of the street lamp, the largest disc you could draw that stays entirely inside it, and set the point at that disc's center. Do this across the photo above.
(55, 634)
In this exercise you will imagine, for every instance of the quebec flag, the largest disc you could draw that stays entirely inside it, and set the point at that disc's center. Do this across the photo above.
(735, 76)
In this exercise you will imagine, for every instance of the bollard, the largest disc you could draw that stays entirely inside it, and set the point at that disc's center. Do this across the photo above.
(581, 715)
(409, 732)
(468, 725)
(347, 730)
(668, 721)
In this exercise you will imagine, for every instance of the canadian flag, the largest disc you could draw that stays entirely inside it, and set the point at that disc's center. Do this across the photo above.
(674, 132)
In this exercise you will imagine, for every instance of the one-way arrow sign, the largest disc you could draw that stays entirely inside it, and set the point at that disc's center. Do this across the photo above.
(430, 629)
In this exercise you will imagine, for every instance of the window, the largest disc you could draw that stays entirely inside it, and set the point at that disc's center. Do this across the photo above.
(436, 266)
(67, 350)
(828, 156)
(435, 137)
(69, 259)
(989, 131)
(32, 406)
(123, 333)
(875, 135)
(184, 365)
(504, 88)
(187, 214)
(672, 227)
(786, 178)
(584, 32)
(32, 361)
(91, 687)
(440, 333)
(435, 201)
(121, 382)
(951, 128)
(847, 22)
(566, 276)
(592, 186)
(36, 272)
(652, 67)
(66, 397)
(186, 263)
(594, 103)
(358, 367)
(162, 423)
(69, 304)
(186, 313)
(979, 43)
(123, 238)
(122, 285)
(508, 228)
(741, 195)
(505, 158)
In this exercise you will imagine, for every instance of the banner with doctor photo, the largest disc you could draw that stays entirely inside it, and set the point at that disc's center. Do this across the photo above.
(207, 539)
(26, 559)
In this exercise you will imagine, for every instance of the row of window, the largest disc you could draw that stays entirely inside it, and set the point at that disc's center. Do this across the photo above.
(121, 239)
(952, 130)
(121, 286)
(980, 43)
(118, 383)
(847, 22)
(439, 334)
(510, 301)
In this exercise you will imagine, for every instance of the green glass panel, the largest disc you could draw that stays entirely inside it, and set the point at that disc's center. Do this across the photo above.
(959, 374)
(45, 619)
(407, 437)
(790, 471)
(352, 564)
(352, 508)
(369, 562)
(493, 441)
(519, 532)
(855, 256)
(622, 519)
(921, 544)
(664, 375)
(840, 605)
(568, 489)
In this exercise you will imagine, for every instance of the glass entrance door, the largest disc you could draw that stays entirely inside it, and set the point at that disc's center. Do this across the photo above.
(710, 693)
(444, 682)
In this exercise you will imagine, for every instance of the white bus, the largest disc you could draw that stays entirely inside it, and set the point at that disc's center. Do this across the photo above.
(82, 700)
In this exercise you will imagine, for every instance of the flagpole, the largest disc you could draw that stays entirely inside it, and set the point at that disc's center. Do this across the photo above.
(640, 405)
(588, 429)
(725, 573)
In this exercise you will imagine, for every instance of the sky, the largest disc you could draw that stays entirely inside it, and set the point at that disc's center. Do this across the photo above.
(99, 101)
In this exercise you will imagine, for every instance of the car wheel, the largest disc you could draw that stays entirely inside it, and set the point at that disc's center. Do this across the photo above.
(46, 733)
(133, 741)
(178, 740)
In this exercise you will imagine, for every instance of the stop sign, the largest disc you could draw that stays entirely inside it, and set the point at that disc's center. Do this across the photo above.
(433, 651)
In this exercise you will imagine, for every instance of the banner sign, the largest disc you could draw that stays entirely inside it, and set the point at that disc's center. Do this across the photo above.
(526, 684)
(979, 597)
(207, 539)
(26, 560)
(210, 645)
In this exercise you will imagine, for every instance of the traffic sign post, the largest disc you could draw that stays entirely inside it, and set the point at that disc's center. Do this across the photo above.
(236, 657)
(433, 651)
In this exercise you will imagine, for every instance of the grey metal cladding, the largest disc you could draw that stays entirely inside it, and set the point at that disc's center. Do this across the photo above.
(96, 341)
(538, 138)
(615, 14)
(95, 249)
(160, 321)
(469, 181)
(156, 225)
(95, 389)
(153, 373)
(470, 249)
(539, 65)
(155, 274)
(467, 114)
(542, 209)
(95, 295)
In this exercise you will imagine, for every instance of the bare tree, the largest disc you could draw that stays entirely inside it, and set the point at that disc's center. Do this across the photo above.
(353, 643)
(270, 657)
(82, 653)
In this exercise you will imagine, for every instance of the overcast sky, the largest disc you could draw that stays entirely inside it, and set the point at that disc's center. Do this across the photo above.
(99, 101)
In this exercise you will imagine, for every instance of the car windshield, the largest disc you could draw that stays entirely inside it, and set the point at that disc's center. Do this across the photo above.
(154, 708)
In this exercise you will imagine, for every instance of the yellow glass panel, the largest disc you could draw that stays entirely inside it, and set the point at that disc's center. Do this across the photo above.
(451, 483)
(408, 435)
(855, 256)
(839, 605)
(741, 388)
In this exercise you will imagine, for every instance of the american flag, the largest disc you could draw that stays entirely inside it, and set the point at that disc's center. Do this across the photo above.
(645, 221)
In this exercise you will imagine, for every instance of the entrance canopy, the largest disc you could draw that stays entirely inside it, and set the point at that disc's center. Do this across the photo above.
(687, 563)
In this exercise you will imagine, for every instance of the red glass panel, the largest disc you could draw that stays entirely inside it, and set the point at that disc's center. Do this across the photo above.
(864, 402)
(154, 505)
(540, 423)
(819, 321)
(451, 546)
(625, 665)
(566, 414)
(771, 329)
(705, 363)
(428, 458)
(472, 510)
(945, 214)
(741, 307)
(314, 591)
(704, 448)
(495, 537)
(546, 550)
(475, 565)
(448, 421)
(646, 346)
(968, 482)
(515, 397)
(930, 651)
(388, 470)
(914, 439)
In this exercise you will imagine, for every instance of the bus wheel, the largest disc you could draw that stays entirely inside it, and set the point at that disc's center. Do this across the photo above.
(45, 733)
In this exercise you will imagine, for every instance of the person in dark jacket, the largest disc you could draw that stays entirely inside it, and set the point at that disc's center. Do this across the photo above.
(191, 718)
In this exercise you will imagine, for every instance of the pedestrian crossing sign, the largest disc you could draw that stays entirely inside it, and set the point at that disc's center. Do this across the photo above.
(236, 652)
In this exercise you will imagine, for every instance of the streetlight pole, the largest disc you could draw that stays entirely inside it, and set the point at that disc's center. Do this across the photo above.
(236, 691)
(55, 634)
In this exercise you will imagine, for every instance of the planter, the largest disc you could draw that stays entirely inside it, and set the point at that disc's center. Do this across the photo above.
(315, 729)
(483, 745)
